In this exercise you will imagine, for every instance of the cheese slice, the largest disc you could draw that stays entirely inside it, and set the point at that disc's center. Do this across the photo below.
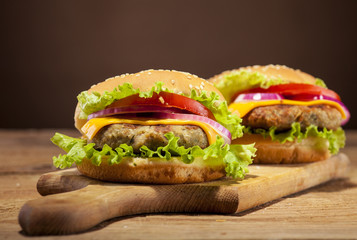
(242, 108)
(92, 127)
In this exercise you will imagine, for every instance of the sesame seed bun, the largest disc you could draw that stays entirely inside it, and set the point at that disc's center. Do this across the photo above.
(282, 72)
(152, 170)
(176, 81)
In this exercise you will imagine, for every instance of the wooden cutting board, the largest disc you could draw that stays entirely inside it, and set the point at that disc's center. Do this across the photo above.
(73, 203)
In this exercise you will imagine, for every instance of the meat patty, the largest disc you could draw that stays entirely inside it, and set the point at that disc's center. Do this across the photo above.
(282, 116)
(150, 136)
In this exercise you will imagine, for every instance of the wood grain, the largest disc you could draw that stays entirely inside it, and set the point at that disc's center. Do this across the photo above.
(97, 201)
(327, 211)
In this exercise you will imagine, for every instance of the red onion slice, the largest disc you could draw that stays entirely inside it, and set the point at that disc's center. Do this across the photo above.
(134, 109)
(248, 97)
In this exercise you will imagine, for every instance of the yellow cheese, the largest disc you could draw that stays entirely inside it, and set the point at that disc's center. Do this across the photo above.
(242, 108)
(95, 124)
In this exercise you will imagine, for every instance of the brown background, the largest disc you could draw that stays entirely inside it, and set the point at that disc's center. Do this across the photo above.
(52, 50)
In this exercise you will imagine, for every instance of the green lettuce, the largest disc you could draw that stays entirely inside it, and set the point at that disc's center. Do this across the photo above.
(320, 82)
(238, 81)
(236, 158)
(335, 138)
(93, 102)
(220, 111)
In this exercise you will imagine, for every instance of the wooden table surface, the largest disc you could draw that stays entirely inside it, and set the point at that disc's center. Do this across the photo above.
(328, 211)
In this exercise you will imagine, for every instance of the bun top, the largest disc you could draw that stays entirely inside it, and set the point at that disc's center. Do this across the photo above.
(282, 72)
(179, 82)
(271, 71)
(234, 81)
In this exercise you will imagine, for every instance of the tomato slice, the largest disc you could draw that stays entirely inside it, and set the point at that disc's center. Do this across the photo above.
(165, 100)
(293, 89)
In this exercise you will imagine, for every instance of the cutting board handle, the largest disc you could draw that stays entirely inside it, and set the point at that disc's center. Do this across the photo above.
(80, 210)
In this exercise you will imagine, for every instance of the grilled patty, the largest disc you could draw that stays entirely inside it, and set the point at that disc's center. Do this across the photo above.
(150, 136)
(282, 116)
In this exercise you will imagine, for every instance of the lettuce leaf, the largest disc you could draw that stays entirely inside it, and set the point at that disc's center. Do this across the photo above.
(238, 159)
(93, 102)
(320, 82)
(335, 138)
(235, 157)
(220, 111)
(239, 81)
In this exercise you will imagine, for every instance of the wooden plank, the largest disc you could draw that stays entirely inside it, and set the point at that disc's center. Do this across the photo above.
(327, 211)
(96, 201)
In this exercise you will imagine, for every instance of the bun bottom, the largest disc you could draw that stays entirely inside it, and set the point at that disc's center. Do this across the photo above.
(311, 149)
(153, 171)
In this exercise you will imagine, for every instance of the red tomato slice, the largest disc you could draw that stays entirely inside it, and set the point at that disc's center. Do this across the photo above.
(294, 89)
(165, 99)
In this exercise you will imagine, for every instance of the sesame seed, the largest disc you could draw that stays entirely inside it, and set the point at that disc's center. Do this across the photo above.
(209, 83)
(173, 81)
(137, 75)
(190, 85)
(197, 87)
(201, 87)
(188, 76)
(161, 100)
(149, 73)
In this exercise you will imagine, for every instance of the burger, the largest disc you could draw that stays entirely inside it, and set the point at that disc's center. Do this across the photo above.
(291, 116)
(155, 126)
